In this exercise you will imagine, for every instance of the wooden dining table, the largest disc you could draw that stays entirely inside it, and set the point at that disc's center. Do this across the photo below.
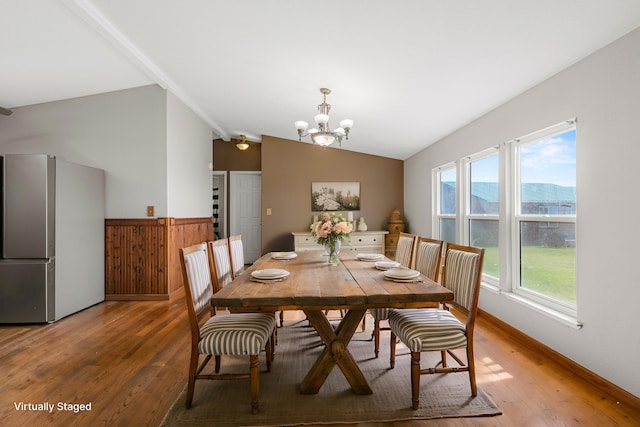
(314, 286)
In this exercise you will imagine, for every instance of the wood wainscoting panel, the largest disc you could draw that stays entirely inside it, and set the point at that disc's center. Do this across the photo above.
(141, 255)
(185, 232)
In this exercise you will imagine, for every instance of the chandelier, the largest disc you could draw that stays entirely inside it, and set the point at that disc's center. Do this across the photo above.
(323, 135)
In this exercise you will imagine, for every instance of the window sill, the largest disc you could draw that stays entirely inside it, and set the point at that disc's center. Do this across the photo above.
(564, 318)
(491, 288)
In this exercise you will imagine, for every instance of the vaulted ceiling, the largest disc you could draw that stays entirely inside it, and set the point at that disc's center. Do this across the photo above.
(407, 72)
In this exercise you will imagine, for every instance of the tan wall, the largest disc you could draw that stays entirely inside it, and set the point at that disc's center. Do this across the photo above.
(288, 169)
(226, 157)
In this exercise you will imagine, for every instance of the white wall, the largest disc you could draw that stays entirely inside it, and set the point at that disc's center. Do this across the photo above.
(189, 153)
(603, 92)
(128, 134)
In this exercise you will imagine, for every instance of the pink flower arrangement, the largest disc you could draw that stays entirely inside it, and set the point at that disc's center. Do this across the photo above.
(330, 228)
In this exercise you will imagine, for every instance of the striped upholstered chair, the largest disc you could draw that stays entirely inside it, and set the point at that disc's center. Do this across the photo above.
(222, 270)
(404, 250)
(220, 334)
(236, 252)
(236, 262)
(428, 257)
(435, 329)
(404, 255)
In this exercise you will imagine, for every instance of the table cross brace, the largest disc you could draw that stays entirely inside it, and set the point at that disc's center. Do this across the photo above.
(336, 342)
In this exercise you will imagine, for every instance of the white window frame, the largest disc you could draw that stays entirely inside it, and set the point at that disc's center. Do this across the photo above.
(437, 216)
(465, 201)
(518, 218)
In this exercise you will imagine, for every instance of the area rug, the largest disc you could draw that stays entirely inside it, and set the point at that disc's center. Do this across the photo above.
(227, 403)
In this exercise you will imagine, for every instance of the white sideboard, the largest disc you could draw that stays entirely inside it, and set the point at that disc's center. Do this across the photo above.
(360, 241)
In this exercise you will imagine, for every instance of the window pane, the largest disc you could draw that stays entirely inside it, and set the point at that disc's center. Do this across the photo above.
(484, 186)
(448, 230)
(448, 191)
(548, 259)
(548, 175)
(484, 234)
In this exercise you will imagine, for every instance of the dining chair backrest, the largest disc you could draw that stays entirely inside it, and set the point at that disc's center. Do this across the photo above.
(404, 250)
(236, 252)
(198, 284)
(221, 264)
(428, 256)
(462, 274)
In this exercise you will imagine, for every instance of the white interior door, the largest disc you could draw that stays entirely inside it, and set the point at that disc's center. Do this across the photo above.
(245, 190)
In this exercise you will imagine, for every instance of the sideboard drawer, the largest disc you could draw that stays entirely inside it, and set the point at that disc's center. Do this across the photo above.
(305, 242)
(367, 240)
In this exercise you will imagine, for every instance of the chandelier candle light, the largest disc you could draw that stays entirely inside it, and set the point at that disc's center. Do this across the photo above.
(323, 135)
(329, 231)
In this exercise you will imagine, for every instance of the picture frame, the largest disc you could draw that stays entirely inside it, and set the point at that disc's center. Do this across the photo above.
(335, 196)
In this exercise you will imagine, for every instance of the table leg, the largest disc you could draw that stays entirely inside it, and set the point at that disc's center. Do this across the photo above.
(335, 352)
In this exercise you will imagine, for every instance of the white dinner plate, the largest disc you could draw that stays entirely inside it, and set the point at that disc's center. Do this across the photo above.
(284, 255)
(270, 273)
(385, 265)
(401, 273)
(370, 257)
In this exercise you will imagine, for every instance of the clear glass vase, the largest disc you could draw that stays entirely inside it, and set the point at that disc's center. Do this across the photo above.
(333, 249)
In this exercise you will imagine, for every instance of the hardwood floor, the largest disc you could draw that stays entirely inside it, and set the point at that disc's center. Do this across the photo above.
(128, 361)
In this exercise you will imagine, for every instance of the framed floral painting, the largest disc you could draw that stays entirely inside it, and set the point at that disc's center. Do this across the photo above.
(335, 196)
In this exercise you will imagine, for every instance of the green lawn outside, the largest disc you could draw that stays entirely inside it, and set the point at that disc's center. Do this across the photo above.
(550, 271)
(491, 265)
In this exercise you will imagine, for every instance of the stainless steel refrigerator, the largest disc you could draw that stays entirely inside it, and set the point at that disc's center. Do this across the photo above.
(52, 238)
